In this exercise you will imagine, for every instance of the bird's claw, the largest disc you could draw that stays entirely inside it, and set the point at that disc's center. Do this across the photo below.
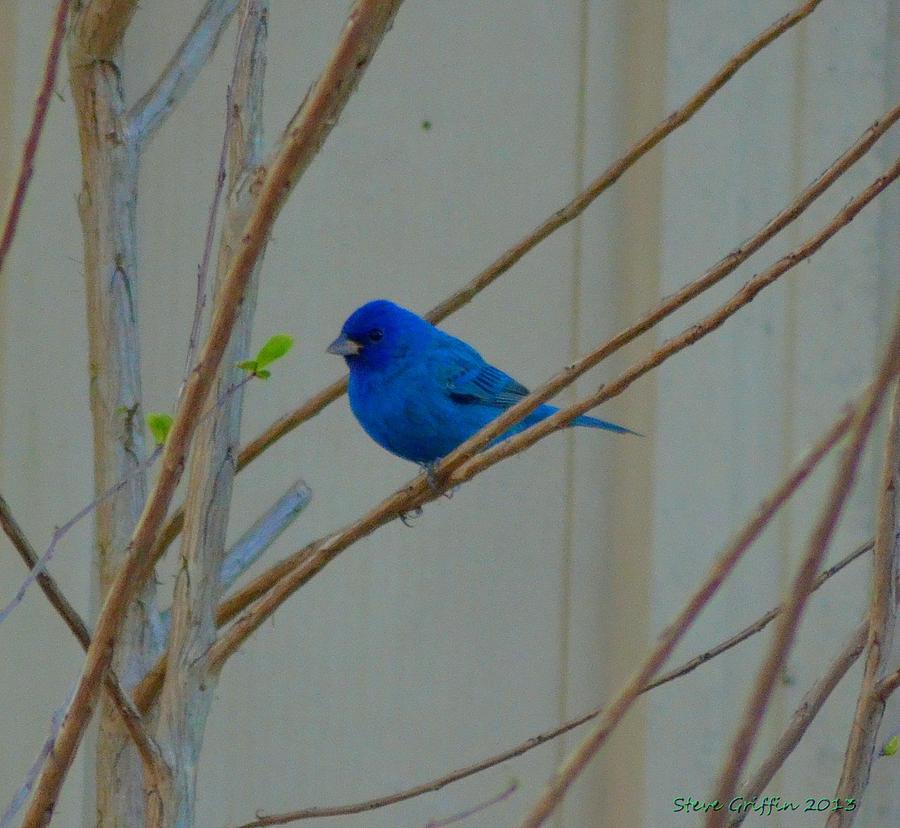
(409, 518)
(431, 477)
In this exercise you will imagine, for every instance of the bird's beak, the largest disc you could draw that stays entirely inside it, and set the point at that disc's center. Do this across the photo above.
(343, 346)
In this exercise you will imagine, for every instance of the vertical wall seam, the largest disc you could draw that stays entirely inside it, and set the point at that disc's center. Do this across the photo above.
(785, 526)
(574, 348)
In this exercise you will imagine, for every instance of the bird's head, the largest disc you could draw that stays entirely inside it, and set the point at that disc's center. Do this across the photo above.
(378, 333)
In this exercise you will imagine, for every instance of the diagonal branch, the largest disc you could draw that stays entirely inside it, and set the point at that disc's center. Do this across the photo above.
(882, 619)
(807, 710)
(546, 736)
(155, 768)
(460, 465)
(264, 532)
(368, 22)
(29, 151)
(712, 276)
(182, 70)
(799, 591)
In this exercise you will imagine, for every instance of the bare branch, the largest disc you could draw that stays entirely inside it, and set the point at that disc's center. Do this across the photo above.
(100, 26)
(107, 206)
(460, 466)
(882, 619)
(612, 174)
(546, 736)
(54, 594)
(31, 776)
(29, 151)
(799, 591)
(182, 70)
(203, 267)
(889, 685)
(368, 22)
(155, 768)
(254, 543)
(760, 624)
(187, 693)
(809, 707)
(510, 789)
(264, 532)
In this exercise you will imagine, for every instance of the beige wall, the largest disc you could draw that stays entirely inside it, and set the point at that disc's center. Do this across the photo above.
(530, 595)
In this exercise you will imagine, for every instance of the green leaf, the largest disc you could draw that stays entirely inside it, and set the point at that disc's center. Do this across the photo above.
(248, 365)
(274, 349)
(159, 425)
(891, 746)
(262, 373)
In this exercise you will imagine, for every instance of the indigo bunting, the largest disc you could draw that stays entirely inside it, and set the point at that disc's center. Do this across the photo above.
(419, 392)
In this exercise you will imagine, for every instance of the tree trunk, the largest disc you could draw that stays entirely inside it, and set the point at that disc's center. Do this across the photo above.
(107, 208)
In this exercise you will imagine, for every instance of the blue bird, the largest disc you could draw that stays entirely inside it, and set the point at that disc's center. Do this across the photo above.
(419, 392)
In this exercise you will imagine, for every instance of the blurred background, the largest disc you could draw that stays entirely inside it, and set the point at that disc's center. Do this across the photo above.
(530, 596)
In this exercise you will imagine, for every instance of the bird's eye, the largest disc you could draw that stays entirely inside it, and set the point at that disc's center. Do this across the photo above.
(375, 334)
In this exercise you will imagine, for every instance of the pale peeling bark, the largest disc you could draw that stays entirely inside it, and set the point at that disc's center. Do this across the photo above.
(187, 693)
(107, 208)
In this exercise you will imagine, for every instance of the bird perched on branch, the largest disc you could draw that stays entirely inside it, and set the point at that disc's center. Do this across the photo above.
(419, 392)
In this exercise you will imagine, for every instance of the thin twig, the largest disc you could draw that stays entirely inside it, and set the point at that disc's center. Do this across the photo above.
(182, 70)
(546, 736)
(889, 685)
(203, 267)
(475, 809)
(31, 776)
(314, 405)
(817, 546)
(808, 709)
(40, 564)
(455, 468)
(155, 767)
(29, 151)
(367, 24)
(870, 703)
(54, 594)
(758, 625)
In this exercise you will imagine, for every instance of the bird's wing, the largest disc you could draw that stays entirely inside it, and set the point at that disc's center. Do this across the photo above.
(469, 379)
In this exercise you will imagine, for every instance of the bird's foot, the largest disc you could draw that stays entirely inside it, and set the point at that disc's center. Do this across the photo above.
(433, 483)
(409, 518)
(450, 492)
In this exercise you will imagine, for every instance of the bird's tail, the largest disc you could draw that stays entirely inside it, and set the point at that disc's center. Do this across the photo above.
(593, 422)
